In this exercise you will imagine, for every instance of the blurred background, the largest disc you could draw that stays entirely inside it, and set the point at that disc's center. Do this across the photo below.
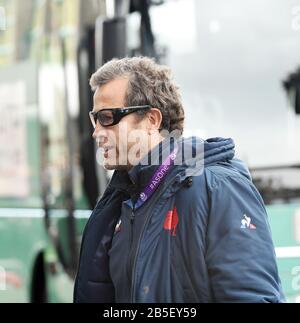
(237, 64)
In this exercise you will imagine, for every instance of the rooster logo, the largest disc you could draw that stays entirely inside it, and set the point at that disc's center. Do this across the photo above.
(171, 221)
(246, 223)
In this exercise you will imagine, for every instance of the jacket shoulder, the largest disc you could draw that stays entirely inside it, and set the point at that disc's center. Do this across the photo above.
(216, 174)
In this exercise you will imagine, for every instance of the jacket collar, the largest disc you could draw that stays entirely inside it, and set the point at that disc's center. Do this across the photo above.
(215, 150)
(121, 181)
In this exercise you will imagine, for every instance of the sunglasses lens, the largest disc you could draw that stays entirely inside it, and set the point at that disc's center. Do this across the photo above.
(110, 117)
(105, 118)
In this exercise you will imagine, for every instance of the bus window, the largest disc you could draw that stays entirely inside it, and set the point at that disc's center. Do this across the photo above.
(19, 127)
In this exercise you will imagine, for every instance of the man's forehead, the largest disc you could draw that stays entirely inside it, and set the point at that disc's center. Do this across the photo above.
(111, 93)
(103, 96)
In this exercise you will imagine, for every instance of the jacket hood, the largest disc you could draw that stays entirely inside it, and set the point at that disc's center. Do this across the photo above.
(218, 150)
(214, 151)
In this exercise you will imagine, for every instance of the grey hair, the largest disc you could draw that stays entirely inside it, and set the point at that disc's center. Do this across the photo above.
(149, 84)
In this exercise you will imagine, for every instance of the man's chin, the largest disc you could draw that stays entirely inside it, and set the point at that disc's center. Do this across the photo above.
(109, 166)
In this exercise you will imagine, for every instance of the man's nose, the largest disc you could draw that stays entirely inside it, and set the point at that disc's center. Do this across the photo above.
(99, 133)
(96, 130)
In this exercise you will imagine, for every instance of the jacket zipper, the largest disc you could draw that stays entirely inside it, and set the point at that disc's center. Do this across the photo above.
(132, 217)
(135, 258)
(138, 244)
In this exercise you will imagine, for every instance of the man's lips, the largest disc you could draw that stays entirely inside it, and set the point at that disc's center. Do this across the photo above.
(106, 150)
(105, 147)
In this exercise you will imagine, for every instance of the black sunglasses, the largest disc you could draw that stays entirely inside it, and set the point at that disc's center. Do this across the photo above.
(110, 117)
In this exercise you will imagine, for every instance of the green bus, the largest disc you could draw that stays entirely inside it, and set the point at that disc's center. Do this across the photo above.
(50, 173)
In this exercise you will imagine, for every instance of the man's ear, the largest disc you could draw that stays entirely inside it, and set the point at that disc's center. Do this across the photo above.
(154, 119)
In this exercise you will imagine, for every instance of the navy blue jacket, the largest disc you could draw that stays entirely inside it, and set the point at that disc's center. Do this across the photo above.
(201, 237)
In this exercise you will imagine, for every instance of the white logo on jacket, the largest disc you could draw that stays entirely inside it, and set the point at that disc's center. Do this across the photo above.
(246, 223)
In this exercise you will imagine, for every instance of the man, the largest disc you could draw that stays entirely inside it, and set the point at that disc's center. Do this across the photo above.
(180, 220)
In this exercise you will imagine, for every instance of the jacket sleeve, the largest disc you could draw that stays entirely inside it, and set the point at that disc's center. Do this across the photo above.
(93, 283)
(240, 254)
